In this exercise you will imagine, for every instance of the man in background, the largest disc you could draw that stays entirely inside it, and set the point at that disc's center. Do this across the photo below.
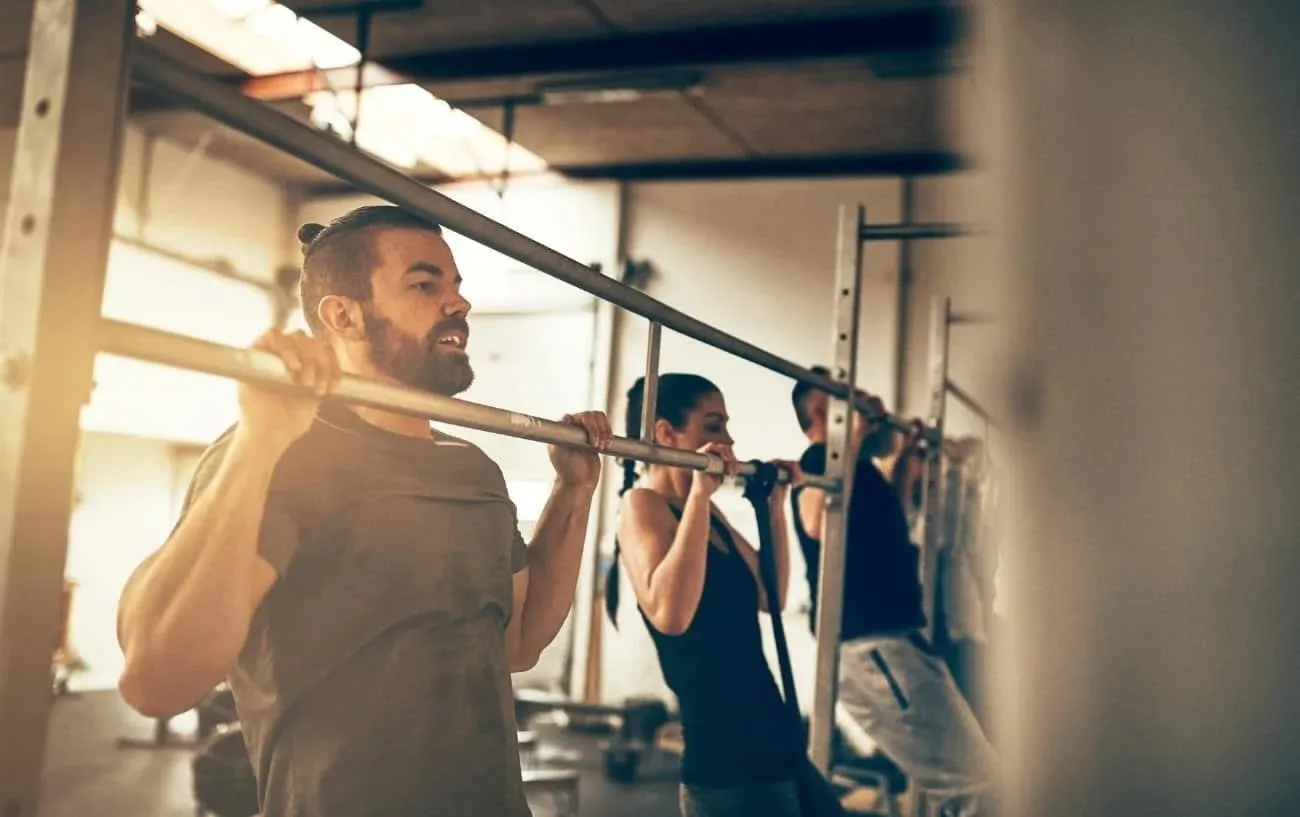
(889, 682)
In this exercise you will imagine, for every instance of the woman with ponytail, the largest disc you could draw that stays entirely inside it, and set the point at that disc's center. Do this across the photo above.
(697, 588)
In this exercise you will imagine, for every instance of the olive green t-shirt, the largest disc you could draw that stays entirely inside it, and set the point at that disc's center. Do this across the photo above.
(374, 680)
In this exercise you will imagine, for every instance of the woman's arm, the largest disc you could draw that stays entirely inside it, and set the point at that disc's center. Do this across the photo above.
(665, 558)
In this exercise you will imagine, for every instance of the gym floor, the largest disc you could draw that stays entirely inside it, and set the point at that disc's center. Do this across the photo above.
(87, 774)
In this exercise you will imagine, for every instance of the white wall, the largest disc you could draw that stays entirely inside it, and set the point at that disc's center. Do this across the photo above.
(965, 271)
(126, 505)
(189, 203)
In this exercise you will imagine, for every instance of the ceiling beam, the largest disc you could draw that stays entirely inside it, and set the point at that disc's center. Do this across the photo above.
(928, 29)
(921, 163)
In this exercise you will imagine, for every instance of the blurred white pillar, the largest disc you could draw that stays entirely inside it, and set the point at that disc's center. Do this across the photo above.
(1147, 155)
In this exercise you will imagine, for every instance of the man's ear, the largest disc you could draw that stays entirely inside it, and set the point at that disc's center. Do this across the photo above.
(343, 317)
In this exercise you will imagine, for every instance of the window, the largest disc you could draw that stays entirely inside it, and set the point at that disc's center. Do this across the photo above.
(403, 125)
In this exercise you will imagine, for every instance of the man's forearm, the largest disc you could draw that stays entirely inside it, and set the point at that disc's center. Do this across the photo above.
(554, 557)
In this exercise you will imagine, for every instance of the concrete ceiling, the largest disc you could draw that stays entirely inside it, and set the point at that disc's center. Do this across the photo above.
(777, 87)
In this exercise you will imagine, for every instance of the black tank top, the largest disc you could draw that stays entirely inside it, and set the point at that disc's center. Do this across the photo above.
(735, 726)
(882, 589)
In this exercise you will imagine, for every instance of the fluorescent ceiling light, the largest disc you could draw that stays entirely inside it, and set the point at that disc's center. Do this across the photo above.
(407, 125)
(404, 125)
(623, 88)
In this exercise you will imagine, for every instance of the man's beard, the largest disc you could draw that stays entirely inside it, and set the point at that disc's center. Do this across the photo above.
(419, 364)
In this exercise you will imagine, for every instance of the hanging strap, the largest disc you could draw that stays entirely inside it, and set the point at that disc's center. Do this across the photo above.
(758, 490)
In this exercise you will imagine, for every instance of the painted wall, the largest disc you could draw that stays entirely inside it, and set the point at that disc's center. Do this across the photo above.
(189, 203)
(126, 505)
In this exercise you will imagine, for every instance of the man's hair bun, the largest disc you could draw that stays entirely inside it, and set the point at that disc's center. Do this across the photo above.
(308, 233)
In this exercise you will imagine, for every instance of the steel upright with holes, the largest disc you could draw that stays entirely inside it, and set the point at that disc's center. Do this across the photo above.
(52, 264)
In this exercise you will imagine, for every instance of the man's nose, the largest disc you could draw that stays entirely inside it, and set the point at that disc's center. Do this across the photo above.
(457, 306)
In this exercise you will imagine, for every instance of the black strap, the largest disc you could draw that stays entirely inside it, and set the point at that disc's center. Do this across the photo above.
(758, 490)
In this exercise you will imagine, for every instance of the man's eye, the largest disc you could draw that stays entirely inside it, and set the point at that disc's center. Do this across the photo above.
(425, 286)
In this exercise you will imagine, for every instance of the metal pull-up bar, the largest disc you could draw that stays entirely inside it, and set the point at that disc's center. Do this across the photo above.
(966, 399)
(185, 86)
(900, 232)
(255, 366)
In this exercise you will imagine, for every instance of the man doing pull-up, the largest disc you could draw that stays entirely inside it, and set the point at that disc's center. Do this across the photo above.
(358, 577)
(891, 684)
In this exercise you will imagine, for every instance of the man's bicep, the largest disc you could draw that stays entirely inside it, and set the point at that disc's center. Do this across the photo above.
(205, 471)
(278, 534)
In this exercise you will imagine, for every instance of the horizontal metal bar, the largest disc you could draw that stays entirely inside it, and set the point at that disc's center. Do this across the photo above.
(902, 163)
(964, 397)
(216, 266)
(255, 366)
(899, 232)
(970, 317)
(228, 106)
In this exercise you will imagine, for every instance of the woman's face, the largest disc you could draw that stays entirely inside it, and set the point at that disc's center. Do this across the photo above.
(706, 423)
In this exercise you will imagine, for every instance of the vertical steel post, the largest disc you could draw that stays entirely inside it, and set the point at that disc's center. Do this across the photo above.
(933, 527)
(650, 399)
(841, 457)
(52, 265)
(906, 278)
(582, 682)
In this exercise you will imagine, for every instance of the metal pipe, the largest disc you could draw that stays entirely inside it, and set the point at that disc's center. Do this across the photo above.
(896, 232)
(53, 255)
(906, 274)
(255, 366)
(227, 105)
(933, 504)
(969, 317)
(830, 588)
(971, 403)
(650, 391)
(216, 266)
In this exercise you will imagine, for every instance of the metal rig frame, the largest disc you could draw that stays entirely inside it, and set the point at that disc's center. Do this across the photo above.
(83, 56)
(853, 233)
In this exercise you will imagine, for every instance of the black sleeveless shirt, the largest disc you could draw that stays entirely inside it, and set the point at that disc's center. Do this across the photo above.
(882, 587)
(735, 726)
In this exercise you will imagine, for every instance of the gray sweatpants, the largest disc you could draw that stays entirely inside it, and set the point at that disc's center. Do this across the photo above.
(906, 701)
